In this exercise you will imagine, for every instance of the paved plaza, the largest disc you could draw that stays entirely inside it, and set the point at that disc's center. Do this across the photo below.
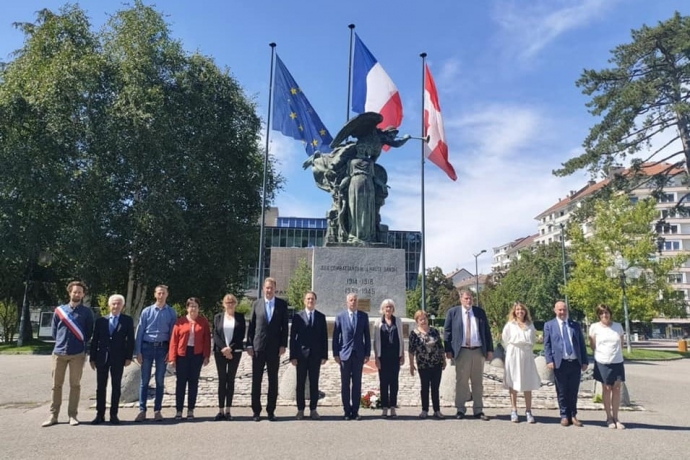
(660, 430)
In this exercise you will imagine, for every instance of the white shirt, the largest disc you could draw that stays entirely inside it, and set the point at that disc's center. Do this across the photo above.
(309, 312)
(228, 328)
(607, 342)
(570, 337)
(475, 340)
(190, 342)
(269, 308)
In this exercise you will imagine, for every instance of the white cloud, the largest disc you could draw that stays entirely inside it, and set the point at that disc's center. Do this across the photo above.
(504, 181)
(532, 27)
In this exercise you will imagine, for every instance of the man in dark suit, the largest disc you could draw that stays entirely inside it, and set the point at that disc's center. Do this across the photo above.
(351, 350)
(308, 351)
(468, 342)
(112, 348)
(566, 353)
(267, 338)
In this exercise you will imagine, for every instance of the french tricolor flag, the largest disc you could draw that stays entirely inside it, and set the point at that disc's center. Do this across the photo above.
(372, 88)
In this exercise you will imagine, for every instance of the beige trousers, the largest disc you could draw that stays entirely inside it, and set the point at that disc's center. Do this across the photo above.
(76, 367)
(469, 368)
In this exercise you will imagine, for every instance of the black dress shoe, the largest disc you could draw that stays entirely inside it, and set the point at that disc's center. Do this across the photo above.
(346, 418)
(98, 420)
(219, 416)
(114, 420)
(460, 416)
(256, 418)
(356, 417)
(481, 416)
(272, 417)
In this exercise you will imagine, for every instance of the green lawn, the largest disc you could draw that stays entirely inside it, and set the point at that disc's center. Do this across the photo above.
(34, 347)
(638, 354)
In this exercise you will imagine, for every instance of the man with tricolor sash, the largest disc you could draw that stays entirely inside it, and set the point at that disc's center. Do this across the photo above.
(72, 327)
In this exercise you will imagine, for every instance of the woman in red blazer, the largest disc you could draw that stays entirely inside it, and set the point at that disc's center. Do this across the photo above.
(190, 348)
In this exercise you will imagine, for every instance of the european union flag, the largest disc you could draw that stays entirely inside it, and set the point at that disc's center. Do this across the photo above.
(294, 116)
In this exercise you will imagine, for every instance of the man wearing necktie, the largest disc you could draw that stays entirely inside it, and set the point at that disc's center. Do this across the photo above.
(566, 353)
(308, 351)
(267, 339)
(468, 343)
(112, 348)
(351, 349)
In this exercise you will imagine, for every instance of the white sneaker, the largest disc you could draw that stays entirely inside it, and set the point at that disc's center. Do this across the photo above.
(514, 416)
(530, 417)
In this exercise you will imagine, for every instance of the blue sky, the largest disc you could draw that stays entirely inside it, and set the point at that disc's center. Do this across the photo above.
(505, 70)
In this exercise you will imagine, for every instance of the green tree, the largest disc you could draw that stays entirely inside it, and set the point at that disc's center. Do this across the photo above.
(8, 319)
(299, 284)
(535, 279)
(641, 97)
(128, 160)
(621, 227)
(441, 295)
(46, 94)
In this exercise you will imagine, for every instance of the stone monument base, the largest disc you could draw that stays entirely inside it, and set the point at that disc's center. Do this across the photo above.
(373, 273)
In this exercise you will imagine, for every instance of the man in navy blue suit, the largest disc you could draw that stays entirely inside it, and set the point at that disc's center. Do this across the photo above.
(112, 348)
(351, 349)
(566, 353)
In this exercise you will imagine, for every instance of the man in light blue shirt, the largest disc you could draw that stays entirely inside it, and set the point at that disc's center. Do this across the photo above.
(153, 338)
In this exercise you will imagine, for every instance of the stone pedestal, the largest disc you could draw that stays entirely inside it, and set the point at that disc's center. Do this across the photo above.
(545, 374)
(131, 380)
(373, 273)
(287, 387)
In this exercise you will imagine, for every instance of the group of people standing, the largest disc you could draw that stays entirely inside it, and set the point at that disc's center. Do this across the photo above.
(186, 343)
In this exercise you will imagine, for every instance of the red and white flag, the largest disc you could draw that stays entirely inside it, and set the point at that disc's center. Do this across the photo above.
(436, 150)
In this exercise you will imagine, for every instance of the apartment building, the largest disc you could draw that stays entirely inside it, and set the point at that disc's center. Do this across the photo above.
(676, 234)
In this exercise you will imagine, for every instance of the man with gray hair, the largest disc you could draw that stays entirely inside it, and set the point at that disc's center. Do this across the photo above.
(112, 348)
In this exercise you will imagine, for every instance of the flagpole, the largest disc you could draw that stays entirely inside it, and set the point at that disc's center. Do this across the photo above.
(349, 72)
(423, 56)
(262, 232)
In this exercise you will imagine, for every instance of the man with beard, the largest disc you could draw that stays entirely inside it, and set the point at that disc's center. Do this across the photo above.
(71, 328)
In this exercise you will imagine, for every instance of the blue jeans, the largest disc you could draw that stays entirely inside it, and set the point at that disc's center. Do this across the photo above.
(151, 354)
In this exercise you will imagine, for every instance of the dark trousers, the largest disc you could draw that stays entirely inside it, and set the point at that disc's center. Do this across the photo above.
(227, 370)
(430, 378)
(102, 372)
(567, 378)
(388, 381)
(351, 374)
(188, 370)
(310, 367)
(271, 361)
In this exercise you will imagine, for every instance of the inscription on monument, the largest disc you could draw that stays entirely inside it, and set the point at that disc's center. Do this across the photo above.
(374, 274)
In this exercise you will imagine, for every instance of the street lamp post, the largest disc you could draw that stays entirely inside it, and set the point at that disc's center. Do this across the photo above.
(565, 273)
(622, 269)
(476, 272)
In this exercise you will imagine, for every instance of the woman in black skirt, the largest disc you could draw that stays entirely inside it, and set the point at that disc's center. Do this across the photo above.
(606, 340)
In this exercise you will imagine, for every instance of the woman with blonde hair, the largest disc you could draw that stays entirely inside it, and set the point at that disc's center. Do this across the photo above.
(519, 337)
(426, 349)
(390, 355)
(229, 329)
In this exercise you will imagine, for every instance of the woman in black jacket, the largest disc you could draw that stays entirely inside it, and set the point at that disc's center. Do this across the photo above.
(228, 340)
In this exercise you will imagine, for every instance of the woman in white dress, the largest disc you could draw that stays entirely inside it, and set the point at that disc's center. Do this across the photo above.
(521, 373)
(606, 340)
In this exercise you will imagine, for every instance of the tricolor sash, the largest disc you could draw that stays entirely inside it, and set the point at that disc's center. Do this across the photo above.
(69, 322)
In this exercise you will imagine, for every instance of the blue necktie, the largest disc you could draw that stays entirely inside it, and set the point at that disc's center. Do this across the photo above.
(113, 324)
(269, 311)
(566, 339)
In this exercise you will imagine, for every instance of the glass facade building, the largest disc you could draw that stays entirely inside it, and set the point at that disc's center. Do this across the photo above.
(300, 232)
